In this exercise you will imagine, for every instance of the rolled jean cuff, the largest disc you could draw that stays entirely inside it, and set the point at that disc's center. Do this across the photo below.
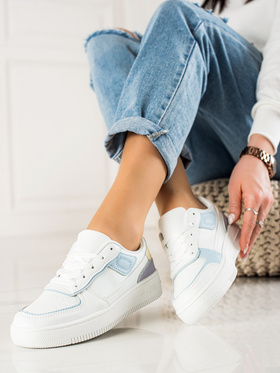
(115, 139)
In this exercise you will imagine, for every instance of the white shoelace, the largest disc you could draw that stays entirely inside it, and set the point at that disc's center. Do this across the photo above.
(178, 247)
(73, 268)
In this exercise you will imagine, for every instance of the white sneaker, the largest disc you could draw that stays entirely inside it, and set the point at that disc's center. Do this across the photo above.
(99, 284)
(202, 249)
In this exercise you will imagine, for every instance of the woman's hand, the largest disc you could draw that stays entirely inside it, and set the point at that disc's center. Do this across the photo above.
(250, 182)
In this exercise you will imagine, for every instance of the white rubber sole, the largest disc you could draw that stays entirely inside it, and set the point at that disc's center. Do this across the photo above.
(212, 293)
(92, 326)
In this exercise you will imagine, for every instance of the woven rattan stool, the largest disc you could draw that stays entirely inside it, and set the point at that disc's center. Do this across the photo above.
(264, 258)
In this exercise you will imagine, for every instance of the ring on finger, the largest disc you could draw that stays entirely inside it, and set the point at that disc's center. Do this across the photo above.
(261, 223)
(250, 209)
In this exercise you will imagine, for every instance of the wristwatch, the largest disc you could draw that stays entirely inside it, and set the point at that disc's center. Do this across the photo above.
(267, 159)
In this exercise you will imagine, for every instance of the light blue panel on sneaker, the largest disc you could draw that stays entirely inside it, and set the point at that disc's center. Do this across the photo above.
(123, 263)
(210, 256)
(207, 220)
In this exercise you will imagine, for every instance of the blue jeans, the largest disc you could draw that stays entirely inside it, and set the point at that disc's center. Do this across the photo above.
(188, 84)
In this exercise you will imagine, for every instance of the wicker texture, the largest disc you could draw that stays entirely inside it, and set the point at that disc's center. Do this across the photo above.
(264, 258)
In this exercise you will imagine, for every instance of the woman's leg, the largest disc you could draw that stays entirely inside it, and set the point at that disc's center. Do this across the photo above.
(177, 192)
(122, 214)
(116, 54)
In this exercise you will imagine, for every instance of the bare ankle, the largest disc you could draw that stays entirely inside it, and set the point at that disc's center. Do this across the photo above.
(118, 230)
(173, 201)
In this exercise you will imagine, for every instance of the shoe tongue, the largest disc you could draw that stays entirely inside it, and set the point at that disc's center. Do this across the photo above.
(172, 222)
(89, 242)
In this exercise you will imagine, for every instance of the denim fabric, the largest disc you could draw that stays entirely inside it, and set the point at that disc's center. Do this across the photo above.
(188, 84)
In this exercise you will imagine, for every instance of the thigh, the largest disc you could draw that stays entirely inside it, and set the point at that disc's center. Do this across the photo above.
(223, 122)
(210, 157)
(230, 94)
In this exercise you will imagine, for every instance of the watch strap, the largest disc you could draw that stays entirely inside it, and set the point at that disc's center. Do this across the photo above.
(267, 158)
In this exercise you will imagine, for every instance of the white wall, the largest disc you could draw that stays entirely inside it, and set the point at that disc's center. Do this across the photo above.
(54, 170)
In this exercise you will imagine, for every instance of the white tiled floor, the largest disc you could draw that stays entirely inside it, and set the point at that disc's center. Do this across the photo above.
(240, 335)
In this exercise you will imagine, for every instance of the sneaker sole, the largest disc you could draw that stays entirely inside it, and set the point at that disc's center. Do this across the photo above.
(213, 293)
(87, 328)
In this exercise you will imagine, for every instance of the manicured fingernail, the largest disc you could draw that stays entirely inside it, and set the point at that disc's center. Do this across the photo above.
(231, 218)
(245, 249)
(245, 257)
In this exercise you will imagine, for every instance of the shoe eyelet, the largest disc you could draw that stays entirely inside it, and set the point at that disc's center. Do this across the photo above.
(191, 244)
(58, 275)
(92, 267)
(111, 248)
(193, 213)
(76, 286)
(103, 257)
(84, 276)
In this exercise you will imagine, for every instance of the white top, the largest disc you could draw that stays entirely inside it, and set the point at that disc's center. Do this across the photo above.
(259, 23)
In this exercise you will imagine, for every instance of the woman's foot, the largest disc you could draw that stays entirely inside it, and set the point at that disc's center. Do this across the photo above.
(98, 285)
(202, 249)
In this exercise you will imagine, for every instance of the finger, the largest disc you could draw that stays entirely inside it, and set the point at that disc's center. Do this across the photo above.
(263, 212)
(257, 230)
(249, 223)
(235, 203)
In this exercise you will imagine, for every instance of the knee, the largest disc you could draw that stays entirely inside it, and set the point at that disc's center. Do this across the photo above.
(101, 44)
(110, 42)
